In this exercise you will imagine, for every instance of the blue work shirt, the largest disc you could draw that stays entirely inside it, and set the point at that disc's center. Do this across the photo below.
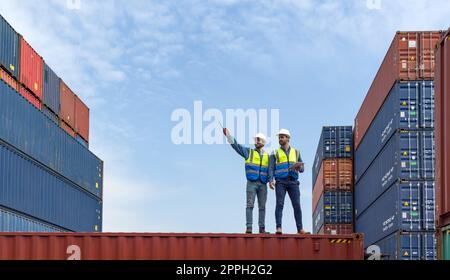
(272, 164)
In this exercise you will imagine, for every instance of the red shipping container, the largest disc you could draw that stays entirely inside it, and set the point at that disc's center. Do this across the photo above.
(67, 128)
(67, 112)
(411, 56)
(442, 125)
(30, 97)
(81, 119)
(334, 174)
(336, 229)
(9, 79)
(172, 246)
(31, 68)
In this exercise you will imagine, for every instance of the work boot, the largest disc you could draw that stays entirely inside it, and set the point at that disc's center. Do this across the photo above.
(249, 230)
(263, 231)
(303, 232)
(279, 230)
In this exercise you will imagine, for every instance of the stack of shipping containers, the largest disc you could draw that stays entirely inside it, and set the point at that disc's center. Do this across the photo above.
(442, 80)
(49, 180)
(395, 152)
(333, 182)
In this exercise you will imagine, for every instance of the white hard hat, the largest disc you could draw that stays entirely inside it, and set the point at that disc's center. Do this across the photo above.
(261, 136)
(284, 132)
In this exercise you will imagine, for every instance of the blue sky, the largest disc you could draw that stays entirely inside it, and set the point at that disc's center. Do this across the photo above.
(135, 62)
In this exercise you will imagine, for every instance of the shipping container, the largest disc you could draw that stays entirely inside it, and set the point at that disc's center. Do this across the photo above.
(173, 246)
(30, 97)
(33, 189)
(31, 68)
(334, 229)
(82, 141)
(67, 99)
(51, 89)
(334, 174)
(445, 243)
(12, 221)
(334, 142)
(401, 159)
(408, 246)
(49, 114)
(443, 131)
(9, 80)
(405, 206)
(403, 109)
(33, 133)
(67, 129)
(81, 119)
(9, 48)
(334, 207)
(411, 56)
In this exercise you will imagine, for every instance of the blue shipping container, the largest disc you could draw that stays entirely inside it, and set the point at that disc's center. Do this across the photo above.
(334, 207)
(401, 207)
(49, 114)
(51, 89)
(408, 246)
(11, 221)
(428, 154)
(401, 159)
(33, 189)
(9, 48)
(402, 109)
(82, 141)
(29, 130)
(335, 142)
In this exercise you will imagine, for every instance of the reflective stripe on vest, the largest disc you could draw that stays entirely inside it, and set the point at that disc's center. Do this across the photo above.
(283, 162)
(257, 168)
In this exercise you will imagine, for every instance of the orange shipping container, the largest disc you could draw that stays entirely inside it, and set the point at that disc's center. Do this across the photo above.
(81, 119)
(172, 246)
(334, 174)
(67, 112)
(411, 56)
(31, 68)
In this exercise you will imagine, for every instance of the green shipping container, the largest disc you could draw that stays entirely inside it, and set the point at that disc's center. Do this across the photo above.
(446, 243)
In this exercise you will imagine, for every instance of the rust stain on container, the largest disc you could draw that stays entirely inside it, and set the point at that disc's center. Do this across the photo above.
(411, 56)
(81, 119)
(67, 98)
(171, 246)
(334, 174)
(442, 124)
(31, 68)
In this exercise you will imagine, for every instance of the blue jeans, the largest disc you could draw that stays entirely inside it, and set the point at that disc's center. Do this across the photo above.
(293, 189)
(256, 189)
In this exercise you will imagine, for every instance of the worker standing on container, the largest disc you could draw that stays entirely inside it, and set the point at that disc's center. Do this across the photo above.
(285, 165)
(256, 170)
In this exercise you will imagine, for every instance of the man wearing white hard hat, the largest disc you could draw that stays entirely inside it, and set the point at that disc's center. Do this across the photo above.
(256, 170)
(284, 167)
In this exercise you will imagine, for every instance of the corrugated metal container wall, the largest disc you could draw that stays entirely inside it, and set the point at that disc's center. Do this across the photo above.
(443, 131)
(82, 141)
(9, 48)
(33, 189)
(401, 159)
(11, 221)
(409, 246)
(49, 114)
(334, 174)
(334, 229)
(411, 56)
(159, 246)
(401, 110)
(31, 66)
(334, 207)
(400, 208)
(81, 119)
(335, 142)
(67, 98)
(30, 97)
(67, 129)
(36, 135)
(445, 243)
(51, 89)
(9, 80)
